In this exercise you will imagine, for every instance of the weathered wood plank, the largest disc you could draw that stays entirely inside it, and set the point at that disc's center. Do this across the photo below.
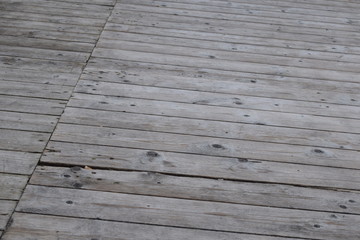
(47, 39)
(155, 184)
(206, 145)
(26, 7)
(4, 22)
(110, 39)
(244, 87)
(31, 105)
(225, 65)
(330, 11)
(18, 162)
(206, 95)
(27, 121)
(189, 33)
(16, 140)
(43, 227)
(40, 64)
(222, 55)
(6, 209)
(38, 17)
(210, 128)
(252, 13)
(57, 78)
(44, 54)
(133, 69)
(199, 100)
(187, 213)
(11, 186)
(178, 9)
(59, 4)
(198, 165)
(225, 27)
(35, 90)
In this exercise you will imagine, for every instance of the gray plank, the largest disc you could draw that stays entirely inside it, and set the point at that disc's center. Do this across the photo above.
(225, 55)
(27, 121)
(224, 27)
(44, 54)
(6, 209)
(32, 76)
(210, 128)
(26, 141)
(52, 43)
(40, 64)
(42, 227)
(232, 168)
(186, 213)
(197, 103)
(35, 90)
(248, 93)
(11, 186)
(155, 184)
(225, 65)
(18, 162)
(110, 38)
(189, 33)
(31, 105)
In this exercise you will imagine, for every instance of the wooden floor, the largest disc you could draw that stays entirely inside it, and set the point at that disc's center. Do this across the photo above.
(180, 119)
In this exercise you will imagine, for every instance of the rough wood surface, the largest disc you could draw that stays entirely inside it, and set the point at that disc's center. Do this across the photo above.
(42, 227)
(199, 165)
(188, 213)
(11, 186)
(196, 188)
(180, 119)
(18, 162)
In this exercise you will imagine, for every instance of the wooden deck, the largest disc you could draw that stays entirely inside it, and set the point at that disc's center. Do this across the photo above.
(180, 119)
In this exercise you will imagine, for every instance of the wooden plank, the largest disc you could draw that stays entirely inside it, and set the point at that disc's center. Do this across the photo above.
(133, 70)
(42, 227)
(218, 129)
(192, 11)
(269, 6)
(4, 22)
(18, 162)
(186, 213)
(11, 186)
(47, 54)
(31, 105)
(59, 4)
(252, 87)
(111, 39)
(13, 74)
(206, 145)
(224, 55)
(58, 11)
(223, 64)
(155, 184)
(40, 64)
(251, 13)
(35, 90)
(16, 140)
(189, 33)
(224, 27)
(26, 121)
(6, 209)
(226, 86)
(38, 17)
(32, 36)
(46, 43)
(234, 114)
(188, 164)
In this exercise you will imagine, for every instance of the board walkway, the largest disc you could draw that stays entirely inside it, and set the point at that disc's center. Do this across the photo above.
(179, 119)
